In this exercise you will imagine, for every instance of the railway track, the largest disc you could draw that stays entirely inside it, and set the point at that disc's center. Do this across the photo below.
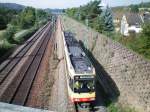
(18, 90)
(10, 63)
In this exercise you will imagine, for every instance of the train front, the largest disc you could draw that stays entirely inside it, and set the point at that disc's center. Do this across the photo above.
(84, 88)
(82, 91)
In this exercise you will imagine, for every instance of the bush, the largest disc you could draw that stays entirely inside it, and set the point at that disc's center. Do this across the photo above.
(2, 23)
(4, 46)
(112, 108)
(24, 36)
(9, 33)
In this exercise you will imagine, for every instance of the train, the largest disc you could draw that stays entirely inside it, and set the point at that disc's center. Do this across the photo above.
(80, 73)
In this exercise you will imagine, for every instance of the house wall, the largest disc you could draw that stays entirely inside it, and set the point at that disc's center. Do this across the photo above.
(134, 28)
(129, 71)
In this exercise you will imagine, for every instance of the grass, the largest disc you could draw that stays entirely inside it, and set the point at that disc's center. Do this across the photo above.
(113, 107)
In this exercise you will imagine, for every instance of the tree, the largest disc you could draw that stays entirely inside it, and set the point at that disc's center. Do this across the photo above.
(6, 16)
(71, 12)
(108, 20)
(3, 23)
(99, 24)
(9, 33)
(88, 14)
(93, 9)
(134, 8)
(27, 18)
(41, 14)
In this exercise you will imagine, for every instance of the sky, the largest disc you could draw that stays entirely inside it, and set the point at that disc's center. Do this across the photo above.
(68, 3)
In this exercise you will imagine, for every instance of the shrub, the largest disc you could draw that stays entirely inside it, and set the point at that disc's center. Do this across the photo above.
(24, 36)
(9, 33)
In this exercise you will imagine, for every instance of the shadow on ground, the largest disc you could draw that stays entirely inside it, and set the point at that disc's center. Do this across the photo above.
(106, 89)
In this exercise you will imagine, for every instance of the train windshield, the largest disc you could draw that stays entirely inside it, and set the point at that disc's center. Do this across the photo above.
(84, 85)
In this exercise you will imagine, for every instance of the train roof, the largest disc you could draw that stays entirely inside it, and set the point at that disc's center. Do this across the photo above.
(78, 58)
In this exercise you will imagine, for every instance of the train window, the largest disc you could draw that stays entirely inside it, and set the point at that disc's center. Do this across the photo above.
(83, 86)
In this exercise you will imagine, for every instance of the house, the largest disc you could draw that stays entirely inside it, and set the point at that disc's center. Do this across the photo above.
(131, 22)
(117, 20)
(146, 16)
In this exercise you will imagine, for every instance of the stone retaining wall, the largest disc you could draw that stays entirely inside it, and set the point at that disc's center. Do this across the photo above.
(129, 71)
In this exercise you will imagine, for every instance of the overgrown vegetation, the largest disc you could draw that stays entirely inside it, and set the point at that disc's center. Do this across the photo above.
(5, 16)
(93, 16)
(14, 21)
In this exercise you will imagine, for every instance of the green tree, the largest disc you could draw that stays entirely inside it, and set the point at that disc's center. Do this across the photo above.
(108, 20)
(9, 33)
(15, 21)
(90, 11)
(134, 8)
(27, 18)
(99, 24)
(41, 14)
(41, 17)
(6, 16)
(71, 12)
(3, 23)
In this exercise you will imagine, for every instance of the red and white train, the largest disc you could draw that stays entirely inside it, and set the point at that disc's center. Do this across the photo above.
(80, 71)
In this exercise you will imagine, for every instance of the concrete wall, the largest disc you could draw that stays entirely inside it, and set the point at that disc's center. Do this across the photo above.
(129, 71)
